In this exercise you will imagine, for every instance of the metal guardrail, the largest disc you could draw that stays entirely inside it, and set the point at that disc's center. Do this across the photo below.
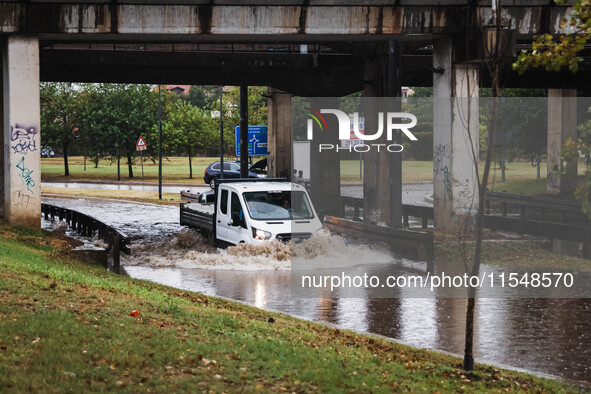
(545, 211)
(422, 212)
(420, 243)
(540, 208)
(87, 226)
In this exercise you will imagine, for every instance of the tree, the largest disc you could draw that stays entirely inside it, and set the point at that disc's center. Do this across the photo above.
(492, 63)
(60, 117)
(140, 112)
(554, 53)
(92, 142)
(115, 116)
(527, 128)
(202, 96)
(183, 131)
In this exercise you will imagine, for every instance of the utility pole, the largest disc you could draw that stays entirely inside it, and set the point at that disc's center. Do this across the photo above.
(243, 131)
(159, 142)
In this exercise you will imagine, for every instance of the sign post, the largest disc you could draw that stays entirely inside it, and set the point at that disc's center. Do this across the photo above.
(141, 146)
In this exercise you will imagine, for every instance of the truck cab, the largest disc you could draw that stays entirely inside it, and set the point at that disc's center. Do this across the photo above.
(255, 212)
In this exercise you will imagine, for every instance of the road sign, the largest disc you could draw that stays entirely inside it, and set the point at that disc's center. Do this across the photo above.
(257, 140)
(354, 140)
(141, 144)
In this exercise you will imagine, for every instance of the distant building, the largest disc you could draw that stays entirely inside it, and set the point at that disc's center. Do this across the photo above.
(178, 89)
(406, 91)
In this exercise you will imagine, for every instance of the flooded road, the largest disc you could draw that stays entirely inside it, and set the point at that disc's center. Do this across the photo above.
(124, 186)
(416, 193)
(546, 335)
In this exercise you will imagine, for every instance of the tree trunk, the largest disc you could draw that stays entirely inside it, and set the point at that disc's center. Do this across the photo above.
(66, 167)
(190, 165)
(471, 302)
(129, 166)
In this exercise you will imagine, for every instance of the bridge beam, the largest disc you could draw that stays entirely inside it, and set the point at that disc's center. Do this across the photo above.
(562, 125)
(279, 133)
(455, 140)
(21, 164)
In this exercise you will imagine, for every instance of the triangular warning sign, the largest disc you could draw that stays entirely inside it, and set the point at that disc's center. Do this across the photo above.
(141, 144)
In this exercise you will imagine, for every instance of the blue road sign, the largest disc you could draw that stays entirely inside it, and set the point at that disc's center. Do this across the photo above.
(257, 140)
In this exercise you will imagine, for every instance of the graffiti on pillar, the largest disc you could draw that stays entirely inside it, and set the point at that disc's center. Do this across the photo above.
(23, 138)
(25, 146)
(440, 153)
(553, 179)
(447, 183)
(21, 199)
(25, 173)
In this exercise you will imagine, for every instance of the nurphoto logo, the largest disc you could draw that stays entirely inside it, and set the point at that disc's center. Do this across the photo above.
(349, 129)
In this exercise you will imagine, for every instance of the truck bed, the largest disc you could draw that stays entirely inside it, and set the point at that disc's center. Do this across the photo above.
(198, 216)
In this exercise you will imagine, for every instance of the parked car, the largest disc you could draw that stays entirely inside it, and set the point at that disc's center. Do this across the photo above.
(46, 151)
(232, 170)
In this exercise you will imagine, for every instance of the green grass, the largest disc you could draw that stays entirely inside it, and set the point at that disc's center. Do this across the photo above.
(64, 326)
(520, 177)
(174, 169)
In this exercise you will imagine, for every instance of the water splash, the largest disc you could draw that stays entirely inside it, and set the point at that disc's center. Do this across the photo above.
(188, 249)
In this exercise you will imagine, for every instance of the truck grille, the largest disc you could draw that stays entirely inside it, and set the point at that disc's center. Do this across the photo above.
(297, 237)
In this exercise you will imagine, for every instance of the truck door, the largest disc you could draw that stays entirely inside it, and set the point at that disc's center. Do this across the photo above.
(223, 215)
(236, 233)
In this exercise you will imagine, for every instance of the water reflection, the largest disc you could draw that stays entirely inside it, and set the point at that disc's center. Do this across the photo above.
(123, 186)
(547, 335)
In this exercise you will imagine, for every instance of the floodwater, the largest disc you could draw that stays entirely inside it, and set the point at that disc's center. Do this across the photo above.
(123, 186)
(545, 335)
(417, 193)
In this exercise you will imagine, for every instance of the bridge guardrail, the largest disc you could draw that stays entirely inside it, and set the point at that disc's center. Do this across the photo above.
(544, 225)
(540, 208)
(86, 225)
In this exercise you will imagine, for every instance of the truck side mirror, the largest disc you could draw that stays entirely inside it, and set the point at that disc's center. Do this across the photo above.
(235, 221)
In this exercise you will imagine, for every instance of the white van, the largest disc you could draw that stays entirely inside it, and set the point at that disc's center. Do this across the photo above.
(255, 211)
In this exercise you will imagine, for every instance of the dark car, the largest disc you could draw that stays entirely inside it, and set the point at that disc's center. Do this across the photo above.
(232, 170)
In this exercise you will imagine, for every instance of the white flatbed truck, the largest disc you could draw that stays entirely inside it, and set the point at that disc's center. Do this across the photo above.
(253, 211)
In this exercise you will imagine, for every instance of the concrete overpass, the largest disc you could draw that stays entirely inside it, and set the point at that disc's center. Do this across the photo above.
(259, 42)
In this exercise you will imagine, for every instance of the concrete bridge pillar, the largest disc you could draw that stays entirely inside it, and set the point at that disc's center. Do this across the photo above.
(325, 169)
(455, 140)
(562, 125)
(279, 133)
(21, 159)
(382, 171)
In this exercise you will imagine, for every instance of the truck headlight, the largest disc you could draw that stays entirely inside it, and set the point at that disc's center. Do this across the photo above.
(260, 234)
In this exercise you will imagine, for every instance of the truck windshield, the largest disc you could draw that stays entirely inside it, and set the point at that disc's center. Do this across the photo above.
(278, 205)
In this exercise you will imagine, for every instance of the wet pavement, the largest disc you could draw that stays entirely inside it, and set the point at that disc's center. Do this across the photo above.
(546, 335)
